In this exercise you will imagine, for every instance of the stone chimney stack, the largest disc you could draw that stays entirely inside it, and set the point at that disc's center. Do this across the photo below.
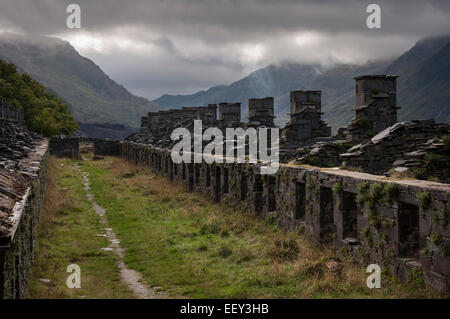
(301, 99)
(261, 111)
(230, 112)
(376, 101)
(144, 121)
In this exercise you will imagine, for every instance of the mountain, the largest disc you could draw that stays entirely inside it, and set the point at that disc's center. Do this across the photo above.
(338, 91)
(423, 86)
(336, 83)
(273, 80)
(102, 107)
(43, 112)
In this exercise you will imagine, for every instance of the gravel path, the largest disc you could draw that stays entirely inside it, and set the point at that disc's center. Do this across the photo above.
(131, 277)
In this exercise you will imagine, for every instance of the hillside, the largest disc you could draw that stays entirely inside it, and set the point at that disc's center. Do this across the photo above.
(274, 80)
(423, 86)
(338, 92)
(337, 87)
(101, 106)
(424, 83)
(44, 113)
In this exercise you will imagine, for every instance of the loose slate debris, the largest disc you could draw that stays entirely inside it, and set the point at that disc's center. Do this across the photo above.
(19, 164)
(15, 144)
(404, 146)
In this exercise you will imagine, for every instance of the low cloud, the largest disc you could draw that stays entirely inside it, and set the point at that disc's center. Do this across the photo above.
(156, 47)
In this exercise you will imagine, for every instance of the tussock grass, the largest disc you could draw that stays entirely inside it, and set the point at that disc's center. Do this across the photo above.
(193, 247)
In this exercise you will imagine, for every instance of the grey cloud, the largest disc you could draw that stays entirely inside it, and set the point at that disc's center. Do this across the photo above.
(226, 19)
(201, 39)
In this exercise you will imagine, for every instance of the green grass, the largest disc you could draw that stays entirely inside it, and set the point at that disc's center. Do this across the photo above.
(68, 235)
(192, 247)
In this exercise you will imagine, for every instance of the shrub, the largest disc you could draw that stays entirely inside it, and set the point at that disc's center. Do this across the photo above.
(284, 250)
(363, 187)
(424, 199)
(366, 232)
(391, 192)
(377, 192)
(446, 140)
(337, 187)
(44, 113)
(224, 251)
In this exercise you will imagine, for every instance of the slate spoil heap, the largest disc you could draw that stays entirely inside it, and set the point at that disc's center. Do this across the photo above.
(408, 147)
(15, 143)
(19, 165)
(12, 189)
(374, 142)
(23, 170)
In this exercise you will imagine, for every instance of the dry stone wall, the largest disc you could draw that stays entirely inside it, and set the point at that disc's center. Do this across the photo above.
(399, 224)
(23, 169)
(65, 146)
(17, 255)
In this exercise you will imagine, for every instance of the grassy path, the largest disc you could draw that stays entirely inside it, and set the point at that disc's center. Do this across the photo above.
(71, 233)
(130, 277)
(188, 246)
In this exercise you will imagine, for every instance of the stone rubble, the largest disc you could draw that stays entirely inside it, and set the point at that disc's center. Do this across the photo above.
(405, 146)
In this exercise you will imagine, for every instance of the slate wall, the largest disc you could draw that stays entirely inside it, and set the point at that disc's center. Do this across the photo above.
(65, 147)
(399, 224)
(106, 147)
(16, 260)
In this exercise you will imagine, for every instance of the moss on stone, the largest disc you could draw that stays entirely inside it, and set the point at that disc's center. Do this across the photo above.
(337, 187)
(424, 199)
(391, 192)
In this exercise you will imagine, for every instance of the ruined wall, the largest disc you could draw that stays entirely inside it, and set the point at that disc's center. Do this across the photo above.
(17, 249)
(8, 112)
(401, 225)
(65, 147)
(70, 146)
(417, 146)
(106, 148)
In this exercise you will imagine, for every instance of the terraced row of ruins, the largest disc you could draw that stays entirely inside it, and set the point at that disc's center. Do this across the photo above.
(378, 190)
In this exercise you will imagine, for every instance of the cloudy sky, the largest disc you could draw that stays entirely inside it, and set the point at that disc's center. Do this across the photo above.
(178, 47)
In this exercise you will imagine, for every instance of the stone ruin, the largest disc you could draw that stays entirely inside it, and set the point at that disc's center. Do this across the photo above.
(375, 143)
(261, 112)
(307, 139)
(69, 146)
(23, 171)
(208, 115)
(23, 167)
(305, 124)
(404, 147)
(65, 146)
(376, 107)
(15, 140)
(399, 223)
(229, 115)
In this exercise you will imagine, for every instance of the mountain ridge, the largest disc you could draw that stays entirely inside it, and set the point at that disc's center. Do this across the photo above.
(93, 97)
(337, 85)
